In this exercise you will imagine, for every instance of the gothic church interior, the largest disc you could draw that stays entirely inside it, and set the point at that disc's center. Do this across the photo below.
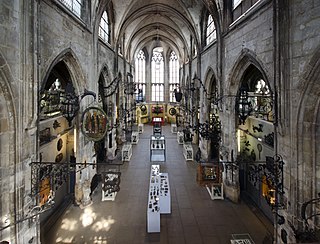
(223, 95)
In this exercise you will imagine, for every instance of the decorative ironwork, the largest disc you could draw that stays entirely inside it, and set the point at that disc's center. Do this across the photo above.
(270, 174)
(307, 234)
(112, 87)
(210, 96)
(130, 87)
(210, 130)
(258, 103)
(70, 103)
(244, 107)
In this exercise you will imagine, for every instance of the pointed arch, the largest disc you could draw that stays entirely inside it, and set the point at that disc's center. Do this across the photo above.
(8, 159)
(72, 62)
(245, 59)
(308, 134)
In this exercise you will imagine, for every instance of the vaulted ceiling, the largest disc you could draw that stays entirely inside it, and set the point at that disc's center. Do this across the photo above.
(141, 24)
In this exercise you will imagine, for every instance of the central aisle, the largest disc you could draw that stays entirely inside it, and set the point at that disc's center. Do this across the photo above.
(195, 219)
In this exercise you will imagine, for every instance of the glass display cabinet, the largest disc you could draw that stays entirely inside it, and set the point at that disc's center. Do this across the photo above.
(157, 148)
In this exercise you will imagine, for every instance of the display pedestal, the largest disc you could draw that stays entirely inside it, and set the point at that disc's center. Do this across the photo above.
(126, 152)
(173, 128)
(165, 198)
(157, 149)
(188, 152)
(108, 196)
(180, 137)
(159, 199)
(140, 128)
(215, 191)
(134, 137)
(110, 185)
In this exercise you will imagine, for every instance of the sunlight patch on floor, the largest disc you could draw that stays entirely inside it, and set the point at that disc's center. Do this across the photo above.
(68, 224)
(100, 240)
(103, 224)
(88, 217)
(64, 239)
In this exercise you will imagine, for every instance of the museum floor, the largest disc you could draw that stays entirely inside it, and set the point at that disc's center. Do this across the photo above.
(194, 217)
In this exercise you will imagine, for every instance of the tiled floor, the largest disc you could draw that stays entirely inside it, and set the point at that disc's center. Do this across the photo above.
(195, 219)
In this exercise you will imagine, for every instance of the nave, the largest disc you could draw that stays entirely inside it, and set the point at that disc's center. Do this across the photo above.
(194, 218)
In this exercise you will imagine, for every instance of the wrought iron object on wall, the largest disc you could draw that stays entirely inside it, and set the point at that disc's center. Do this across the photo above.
(210, 130)
(112, 87)
(271, 174)
(70, 102)
(243, 107)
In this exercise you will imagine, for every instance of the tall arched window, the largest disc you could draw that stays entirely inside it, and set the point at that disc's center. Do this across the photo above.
(104, 27)
(173, 75)
(157, 78)
(211, 30)
(140, 78)
(74, 5)
(235, 3)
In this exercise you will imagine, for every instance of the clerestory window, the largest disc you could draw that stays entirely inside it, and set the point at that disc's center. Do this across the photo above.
(74, 5)
(104, 27)
(235, 3)
(211, 31)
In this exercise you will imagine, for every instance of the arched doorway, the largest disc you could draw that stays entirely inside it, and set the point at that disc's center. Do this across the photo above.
(57, 143)
(255, 134)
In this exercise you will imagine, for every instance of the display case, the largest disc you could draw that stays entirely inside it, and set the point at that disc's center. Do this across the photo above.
(210, 176)
(135, 137)
(141, 128)
(165, 198)
(188, 152)
(126, 152)
(157, 128)
(153, 208)
(110, 185)
(173, 128)
(157, 148)
(159, 199)
(180, 137)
